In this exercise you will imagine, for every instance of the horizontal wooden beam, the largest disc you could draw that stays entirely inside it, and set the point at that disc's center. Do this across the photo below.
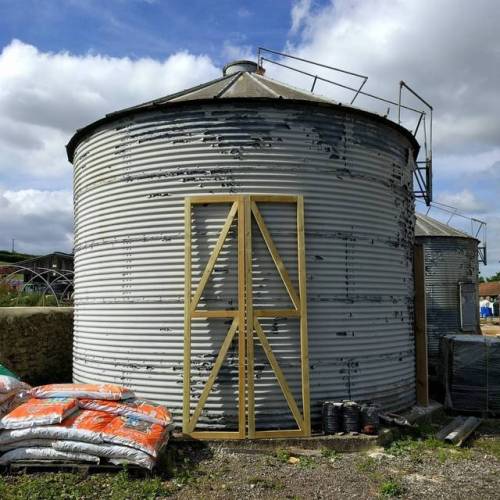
(213, 314)
(213, 198)
(276, 313)
(273, 198)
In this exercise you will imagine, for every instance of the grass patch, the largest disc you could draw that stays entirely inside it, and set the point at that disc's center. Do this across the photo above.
(367, 464)
(419, 448)
(307, 463)
(490, 446)
(267, 484)
(391, 488)
(74, 486)
(332, 455)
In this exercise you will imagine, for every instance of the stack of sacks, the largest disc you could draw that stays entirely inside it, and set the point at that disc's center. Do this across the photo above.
(85, 422)
(13, 392)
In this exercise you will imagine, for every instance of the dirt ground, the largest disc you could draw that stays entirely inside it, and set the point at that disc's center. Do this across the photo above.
(412, 467)
(491, 329)
(407, 469)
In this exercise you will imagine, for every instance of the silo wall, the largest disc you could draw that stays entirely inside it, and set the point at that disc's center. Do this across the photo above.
(355, 173)
(448, 261)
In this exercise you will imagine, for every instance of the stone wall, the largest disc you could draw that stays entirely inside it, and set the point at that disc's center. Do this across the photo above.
(37, 342)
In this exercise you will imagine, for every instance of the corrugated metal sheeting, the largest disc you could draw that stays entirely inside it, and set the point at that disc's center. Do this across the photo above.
(355, 173)
(449, 261)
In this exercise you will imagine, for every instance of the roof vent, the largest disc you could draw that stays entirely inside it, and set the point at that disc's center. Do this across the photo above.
(237, 66)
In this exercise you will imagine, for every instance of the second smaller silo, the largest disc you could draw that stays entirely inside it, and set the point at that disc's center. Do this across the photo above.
(451, 283)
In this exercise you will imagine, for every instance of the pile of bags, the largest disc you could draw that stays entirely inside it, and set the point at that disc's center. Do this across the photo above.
(80, 422)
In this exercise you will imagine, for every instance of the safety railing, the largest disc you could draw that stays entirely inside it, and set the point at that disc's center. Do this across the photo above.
(475, 228)
(423, 123)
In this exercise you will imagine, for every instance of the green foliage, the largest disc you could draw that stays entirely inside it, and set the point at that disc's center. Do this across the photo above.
(495, 277)
(330, 454)
(367, 464)
(71, 486)
(491, 446)
(417, 448)
(391, 488)
(11, 298)
(267, 484)
(282, 455)
(307, 463)
(10, 257)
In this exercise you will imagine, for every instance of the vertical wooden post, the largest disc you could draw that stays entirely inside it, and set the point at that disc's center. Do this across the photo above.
(249, 319)
(187, 316)
(304, 342)
(422, 373)
(241, 319)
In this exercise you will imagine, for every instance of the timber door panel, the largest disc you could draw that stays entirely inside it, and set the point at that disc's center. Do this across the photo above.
(197, 310)
(248, 322)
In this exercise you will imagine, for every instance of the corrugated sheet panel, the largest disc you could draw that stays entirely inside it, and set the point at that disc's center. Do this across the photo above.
(355, 174)
(448, 261)
(427, 226)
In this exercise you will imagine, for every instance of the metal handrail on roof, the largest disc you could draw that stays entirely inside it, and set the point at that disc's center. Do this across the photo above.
(423, 168)
(478, 227)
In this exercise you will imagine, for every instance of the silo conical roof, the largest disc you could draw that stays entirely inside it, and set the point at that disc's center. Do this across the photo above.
(240, 80)
(427, 226)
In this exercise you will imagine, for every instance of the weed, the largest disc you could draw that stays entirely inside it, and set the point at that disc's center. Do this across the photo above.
(391, 488)
(307, 463)
(330, 454)
(282, 455)
(491, 446)
(73, 486)
(265, 483)
(417, 448)
(367, 464)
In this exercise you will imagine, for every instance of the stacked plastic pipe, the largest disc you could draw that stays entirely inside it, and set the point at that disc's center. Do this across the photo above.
(79, 422)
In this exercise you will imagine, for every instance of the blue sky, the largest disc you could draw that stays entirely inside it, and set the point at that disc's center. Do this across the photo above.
(141, 28)
(66, 63)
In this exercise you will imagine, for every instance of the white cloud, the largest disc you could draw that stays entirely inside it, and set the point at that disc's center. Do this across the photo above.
(233, 52)
(39, 221)
(300, 11)
(447, 50)
(45, 97)
(464, 200)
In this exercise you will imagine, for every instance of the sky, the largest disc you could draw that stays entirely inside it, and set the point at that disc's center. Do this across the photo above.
(65, 63)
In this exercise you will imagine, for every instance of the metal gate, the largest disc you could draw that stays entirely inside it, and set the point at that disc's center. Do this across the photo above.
(245, 318)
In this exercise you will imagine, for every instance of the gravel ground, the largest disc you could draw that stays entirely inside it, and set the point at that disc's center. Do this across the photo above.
(410, 468)
(416, 472)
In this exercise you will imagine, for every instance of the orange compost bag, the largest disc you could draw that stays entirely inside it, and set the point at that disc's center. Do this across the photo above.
(91, 391)
(37, 412)
(88, 420)
(83, 425)
(136, 408)
(135, 433)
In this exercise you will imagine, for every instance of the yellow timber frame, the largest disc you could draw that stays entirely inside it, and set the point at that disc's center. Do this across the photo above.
(246, 318)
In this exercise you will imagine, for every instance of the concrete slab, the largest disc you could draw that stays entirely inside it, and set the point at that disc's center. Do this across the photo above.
(336, 442)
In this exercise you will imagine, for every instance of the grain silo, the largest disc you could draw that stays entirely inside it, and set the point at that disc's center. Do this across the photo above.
(451, 282)
(206, 188)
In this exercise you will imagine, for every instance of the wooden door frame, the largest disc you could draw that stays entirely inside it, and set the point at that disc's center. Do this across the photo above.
(190, 312)
(246, 318)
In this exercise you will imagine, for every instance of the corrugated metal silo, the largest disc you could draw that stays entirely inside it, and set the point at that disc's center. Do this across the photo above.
(451, 282)
(245, 133)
